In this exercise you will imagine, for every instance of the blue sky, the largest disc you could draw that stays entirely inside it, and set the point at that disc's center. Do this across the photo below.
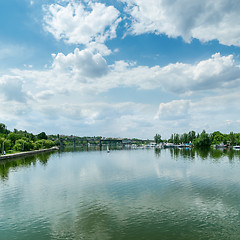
(120, 68)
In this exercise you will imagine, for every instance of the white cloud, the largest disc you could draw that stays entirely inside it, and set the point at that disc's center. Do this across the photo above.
(88, 74)
(72, 93)
(214, 73)
(98, 48)
(81, 23)
(85, 72)
(205, 20)
(213, 113)
(174, 110)
(83, 63)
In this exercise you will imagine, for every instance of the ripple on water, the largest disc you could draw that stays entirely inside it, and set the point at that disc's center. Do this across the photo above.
(124, 195)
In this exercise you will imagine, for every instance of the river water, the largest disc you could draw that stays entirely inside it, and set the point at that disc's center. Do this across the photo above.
(167, 194)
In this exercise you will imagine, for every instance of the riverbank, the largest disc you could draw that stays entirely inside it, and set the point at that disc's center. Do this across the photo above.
(24, 154)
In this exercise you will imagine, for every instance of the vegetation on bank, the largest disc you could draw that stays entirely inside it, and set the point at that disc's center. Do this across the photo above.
(203, 139)
(20, 141)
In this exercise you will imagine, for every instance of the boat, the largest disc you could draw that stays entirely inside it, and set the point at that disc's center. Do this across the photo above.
(181, 146)
(236, 147)
(188, 145)
(108, 149)
(221, 145)
(169, 145)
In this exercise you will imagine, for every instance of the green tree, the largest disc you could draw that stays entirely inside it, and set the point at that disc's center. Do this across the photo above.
(184, 138)
(3, 129)
(157, 138)
(5, 145)
(19, 145)
(42, 144)
(237, 138)
(232, 138)
(217, 137)
(13, 137)
(170, 140)
(176, 138)
(203, 141)
(23, 144)
(191, 136)
(42, 135)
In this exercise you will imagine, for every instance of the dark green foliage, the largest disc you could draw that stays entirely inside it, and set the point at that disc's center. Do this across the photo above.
(13, 137)
(43, 143)
(157, 138)
(203, 141)
(19, 140)
(5, 145)
(170, 140)
(184, 138)
(3, 129)
(217, 137)
(176, 138)
(232, 138)
(191, 136)
(42, 135)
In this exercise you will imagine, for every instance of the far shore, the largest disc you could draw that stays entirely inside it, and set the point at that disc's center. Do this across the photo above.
(23, 154)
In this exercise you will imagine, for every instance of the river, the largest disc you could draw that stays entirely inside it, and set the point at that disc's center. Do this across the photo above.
(167, 194)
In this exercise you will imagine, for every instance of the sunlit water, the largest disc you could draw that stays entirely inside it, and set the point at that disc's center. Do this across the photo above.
(124, 194)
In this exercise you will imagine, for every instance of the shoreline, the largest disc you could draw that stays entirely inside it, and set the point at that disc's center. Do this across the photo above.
(23, 154)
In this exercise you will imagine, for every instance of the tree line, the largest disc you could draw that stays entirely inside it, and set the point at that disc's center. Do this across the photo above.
(203, 139)
(19, 141)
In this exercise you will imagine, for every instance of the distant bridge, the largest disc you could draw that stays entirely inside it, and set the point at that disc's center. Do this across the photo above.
(99, 142)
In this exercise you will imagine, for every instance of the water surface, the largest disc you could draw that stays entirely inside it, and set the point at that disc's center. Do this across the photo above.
(124, 194)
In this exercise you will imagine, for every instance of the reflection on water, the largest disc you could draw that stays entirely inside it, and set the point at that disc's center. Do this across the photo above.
(191, 154)
(26, 162)
(177, 194)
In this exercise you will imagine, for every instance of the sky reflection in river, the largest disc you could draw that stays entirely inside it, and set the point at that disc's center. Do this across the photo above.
(128, 194)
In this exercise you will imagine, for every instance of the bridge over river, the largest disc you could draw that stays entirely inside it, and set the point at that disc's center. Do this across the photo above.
(76, 141)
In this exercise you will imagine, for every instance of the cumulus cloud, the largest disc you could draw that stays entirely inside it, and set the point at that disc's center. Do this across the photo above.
(212, 113)
(205, 20)
(83, 63)
(177, 109)
(84, 22)
(73, 90)
(219, 112)
(81, 23)
(100, 48)
(214, 73)
(84, 71)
